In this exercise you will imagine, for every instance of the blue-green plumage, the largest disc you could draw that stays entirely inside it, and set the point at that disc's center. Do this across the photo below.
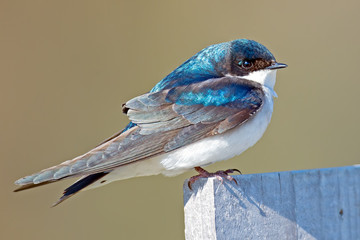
(250, 50)
(219, 94)
(204, 65)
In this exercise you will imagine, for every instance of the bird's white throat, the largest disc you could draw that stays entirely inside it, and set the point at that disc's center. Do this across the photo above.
(265, 77)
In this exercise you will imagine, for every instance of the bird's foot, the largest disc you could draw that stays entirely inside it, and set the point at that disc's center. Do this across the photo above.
(220, 175)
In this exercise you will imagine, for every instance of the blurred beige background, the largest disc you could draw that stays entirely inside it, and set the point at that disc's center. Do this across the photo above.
(67, 66)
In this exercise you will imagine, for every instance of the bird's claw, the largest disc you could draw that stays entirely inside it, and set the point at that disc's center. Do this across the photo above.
(220, 175)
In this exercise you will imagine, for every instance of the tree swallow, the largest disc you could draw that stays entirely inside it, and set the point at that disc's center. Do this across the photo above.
(213, 107)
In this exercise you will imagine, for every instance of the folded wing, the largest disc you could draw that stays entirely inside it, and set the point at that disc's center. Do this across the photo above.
(166, 120)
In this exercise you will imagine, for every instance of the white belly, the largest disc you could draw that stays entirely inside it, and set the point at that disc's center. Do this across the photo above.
(201, 153)
(219, 147)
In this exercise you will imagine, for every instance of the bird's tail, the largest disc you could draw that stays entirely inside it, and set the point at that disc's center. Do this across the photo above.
(70, 191)
(79, 185)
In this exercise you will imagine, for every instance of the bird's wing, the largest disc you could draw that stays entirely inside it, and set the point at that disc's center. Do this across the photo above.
(166, 120)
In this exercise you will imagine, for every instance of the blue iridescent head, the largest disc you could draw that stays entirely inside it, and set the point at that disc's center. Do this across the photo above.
(238, 58)
(248, 56)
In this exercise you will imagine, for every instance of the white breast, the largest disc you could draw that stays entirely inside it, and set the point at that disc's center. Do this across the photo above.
(220, 147)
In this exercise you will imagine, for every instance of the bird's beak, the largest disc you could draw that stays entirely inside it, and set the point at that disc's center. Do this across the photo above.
(276, 66)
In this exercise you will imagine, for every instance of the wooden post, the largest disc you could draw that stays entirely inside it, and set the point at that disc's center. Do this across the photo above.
(309, 204)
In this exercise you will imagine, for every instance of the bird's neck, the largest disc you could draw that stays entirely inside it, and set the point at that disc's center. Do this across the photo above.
(265, 77)
(202, 66)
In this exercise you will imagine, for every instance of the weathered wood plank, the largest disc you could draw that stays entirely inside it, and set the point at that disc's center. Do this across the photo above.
(309, 204)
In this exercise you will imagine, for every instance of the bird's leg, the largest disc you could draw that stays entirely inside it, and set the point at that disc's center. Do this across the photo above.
(220, 175)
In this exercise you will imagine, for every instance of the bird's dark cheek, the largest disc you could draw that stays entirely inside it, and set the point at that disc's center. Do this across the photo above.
(237, 70)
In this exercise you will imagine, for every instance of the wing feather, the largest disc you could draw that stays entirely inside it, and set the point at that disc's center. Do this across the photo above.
(166, 120)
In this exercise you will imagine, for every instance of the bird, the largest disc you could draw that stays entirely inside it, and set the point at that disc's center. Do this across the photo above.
(211, 108)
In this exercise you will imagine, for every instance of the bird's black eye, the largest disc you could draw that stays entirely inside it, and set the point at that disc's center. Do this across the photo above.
(246, 64)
